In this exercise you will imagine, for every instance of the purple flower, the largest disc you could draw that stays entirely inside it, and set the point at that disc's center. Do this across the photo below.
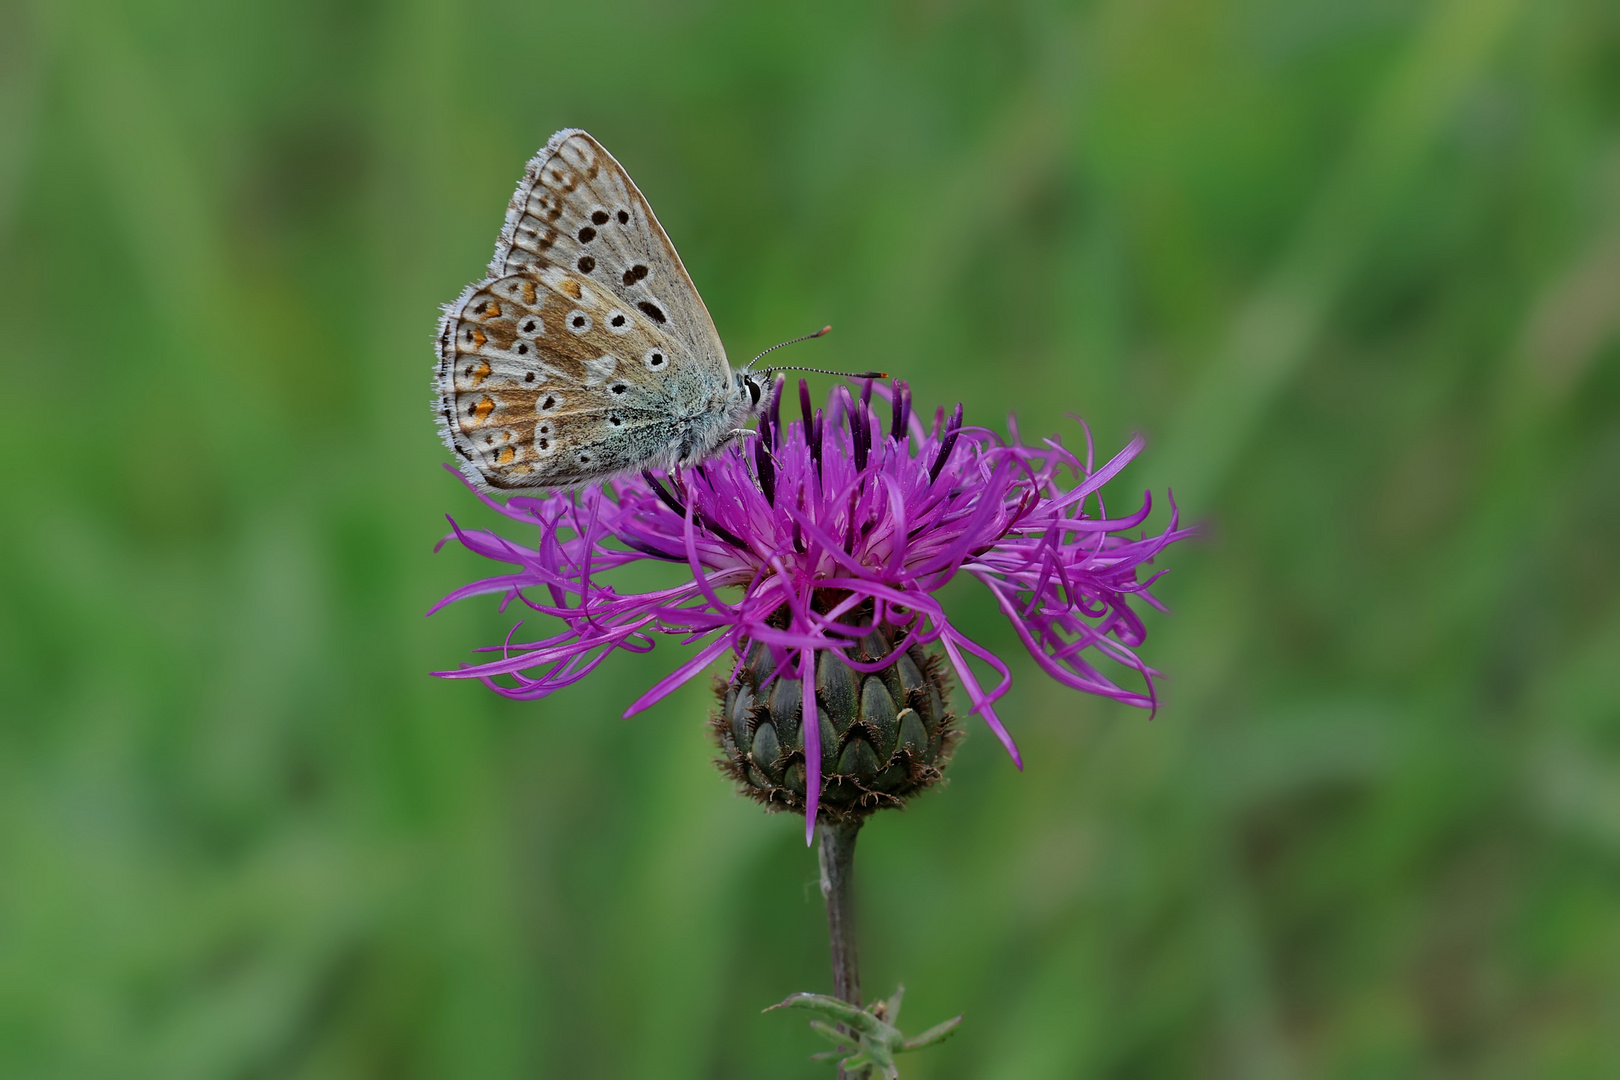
(822, 529)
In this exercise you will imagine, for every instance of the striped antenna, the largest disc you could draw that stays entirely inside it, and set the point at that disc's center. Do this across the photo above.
(820, 371)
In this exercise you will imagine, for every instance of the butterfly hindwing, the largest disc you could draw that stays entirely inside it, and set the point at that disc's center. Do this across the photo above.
(546, 381)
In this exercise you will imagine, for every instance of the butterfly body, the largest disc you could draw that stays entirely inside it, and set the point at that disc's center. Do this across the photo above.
(586, 353)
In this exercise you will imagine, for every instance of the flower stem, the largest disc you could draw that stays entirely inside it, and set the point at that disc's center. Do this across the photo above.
(836, 852)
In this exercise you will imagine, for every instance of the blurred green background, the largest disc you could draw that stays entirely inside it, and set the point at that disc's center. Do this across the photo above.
(1353, 267)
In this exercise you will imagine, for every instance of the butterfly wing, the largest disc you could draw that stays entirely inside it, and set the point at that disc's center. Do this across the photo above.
(573, 359)
(577, 208)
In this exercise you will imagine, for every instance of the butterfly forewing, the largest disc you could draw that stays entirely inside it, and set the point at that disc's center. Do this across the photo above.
(568, 362)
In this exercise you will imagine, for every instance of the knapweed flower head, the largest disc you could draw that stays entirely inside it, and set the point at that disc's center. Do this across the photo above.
(819, 532)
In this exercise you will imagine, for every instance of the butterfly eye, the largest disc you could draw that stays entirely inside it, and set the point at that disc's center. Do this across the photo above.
(753, 391)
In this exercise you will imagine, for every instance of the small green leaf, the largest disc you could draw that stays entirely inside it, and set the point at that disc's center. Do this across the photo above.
(841, 1012)
(935, 1034)
(832, 1034)
(891, 1008)
(877, 1039)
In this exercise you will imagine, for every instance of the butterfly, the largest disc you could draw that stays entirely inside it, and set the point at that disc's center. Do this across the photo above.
(586, 353)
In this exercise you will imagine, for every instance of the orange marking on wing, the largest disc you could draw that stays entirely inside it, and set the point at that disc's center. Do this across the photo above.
(480, 373)
(505, 457)
(483, 409)
(479, 338)
(571, 287)
(491, 310)
(528, 293)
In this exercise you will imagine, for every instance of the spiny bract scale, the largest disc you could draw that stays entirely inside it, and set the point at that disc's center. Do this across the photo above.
(884, 737)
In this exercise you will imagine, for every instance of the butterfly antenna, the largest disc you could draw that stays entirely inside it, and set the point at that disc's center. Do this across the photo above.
(793, 341)
(820, 371)
(829, 371)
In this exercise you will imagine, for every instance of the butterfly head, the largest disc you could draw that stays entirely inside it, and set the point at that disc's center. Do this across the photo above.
(748, 385)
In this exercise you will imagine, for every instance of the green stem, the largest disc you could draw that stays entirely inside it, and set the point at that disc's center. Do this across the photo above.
(836, 851)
